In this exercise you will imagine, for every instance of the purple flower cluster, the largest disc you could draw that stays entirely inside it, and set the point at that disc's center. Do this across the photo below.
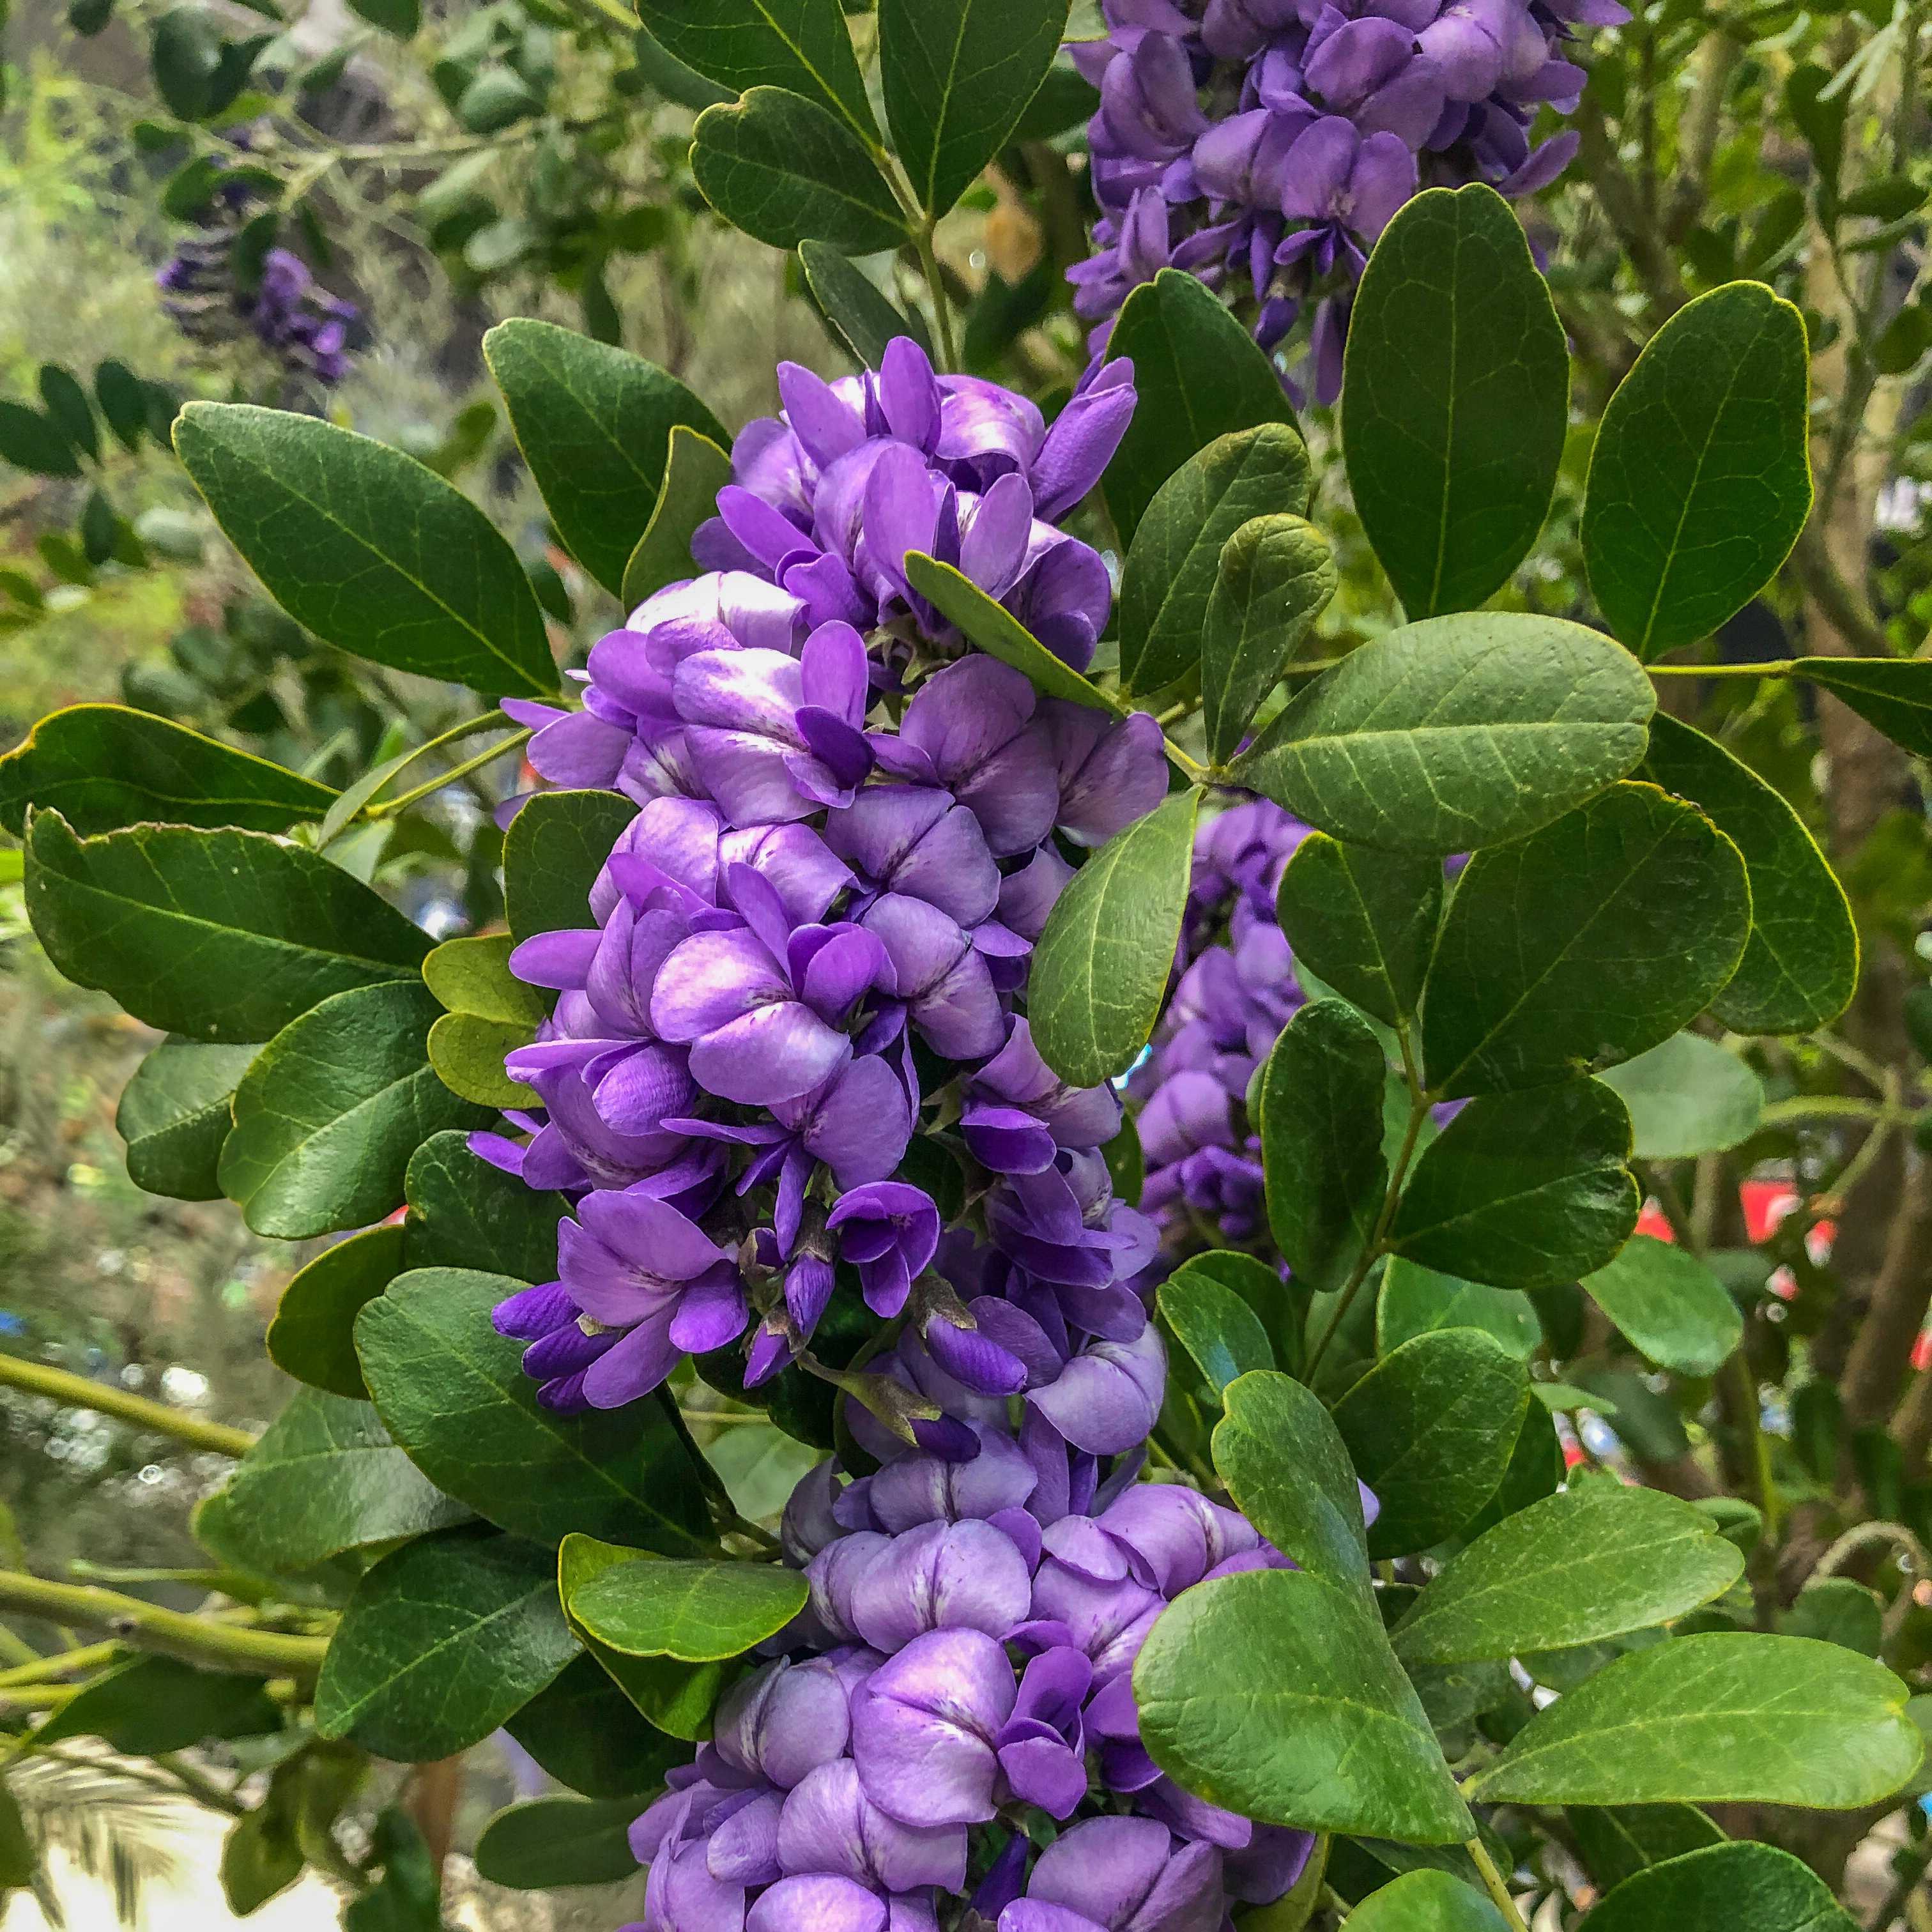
(306, 328)
(961, 1672)
(812, 941)
(1236, 992)
(1271, 141)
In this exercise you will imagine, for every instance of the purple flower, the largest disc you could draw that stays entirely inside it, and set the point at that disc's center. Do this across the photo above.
(924, 1726)
(889, 1231)
(1123, 1875)
(1042, 1746)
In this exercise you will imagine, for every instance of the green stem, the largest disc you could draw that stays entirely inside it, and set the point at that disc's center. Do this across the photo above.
(75, 1391)
(1773, 668)
(199, 1786)
(455, 774)
(148, 1627)
(60, 1664)
(1751, 1422)
(942, 309)
(1493, 1883)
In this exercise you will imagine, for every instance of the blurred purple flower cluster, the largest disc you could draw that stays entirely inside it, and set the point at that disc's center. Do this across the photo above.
(964, 1664)
(305, 327)
(809, 944)
(1237, 990)
(1270, 142)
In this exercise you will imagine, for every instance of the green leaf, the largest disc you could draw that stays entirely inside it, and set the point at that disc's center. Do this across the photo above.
(174, 1114)
(1893, 693)
(1000, 635)
(1222, 1333)
(65, 402)
(465, 1213)
(1171, 569)
(368, 549)
(1279, 1306)
(782, 169)
(956, 76)
(313, 1336)
(1198, 375)
(1458, 379)
(1416, 1300)
(326, 1478)
(222, 936)
(1101, 967)
(1455, 732)
(1598, 1561)
(443, 1639)
(33, 442)
(123, 402)
(330, 1111)
(1840, 1610)
(156, 1704)
(1275, 575)
(1426, 1901)
(585, 1733)
(1523, 1190)
(697, 1613)
(1429, 1429)
(1278, 1452)
(741, 44)
(472, 975)
(1586, 944)
(594, 424)
(552, 852)
(1800, 963)
(549, 1843)
(1688, 1096)
(1721, 1887)
(1274, 1693)
(1728, 1716)
(1365, 922)
(184, 53)
(1701, 477)
(1669, 1306)
(402, 18)
(1619, 1840)
(453, 1392)
(467, 1052)
(695, 470)
(1322, 1141)
(1536, 1467)
(860, 318)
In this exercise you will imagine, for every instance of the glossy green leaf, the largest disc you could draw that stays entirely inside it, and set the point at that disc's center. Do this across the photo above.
(1198, 375)
(466, 1052)
(330, 1111)
(326, 1478)
(224, 936)
(1458, 382)
(443, 1639)
(1455, 732)
(1365, 922)
(1618, 1841)
(262, 1854)
(103, 766)
(697, 1613)
(859, 316)
(1668, 1305)
(313, 1336)
(368, 549)
(465, 1213)
(1429, 1429)
(1840, 1610)
(174, 1114)
(1426, 1901)
(1175, 560)
(956, 75)
(741, 44)
(1278, 1451)
(1598, 1561)
(1688, 1096)
(1536, 1467)
(1701, 477)
(1416, 1300)
(1274, 1693)
(547, 1843)
(1893, 693)
(695, 470)
(1000, 635)
(453, 1392)
(151, 1705)
(1800, 963)
(586, 1734)
(594, 424)
(1101, 967)
(1276, 574)
(1216, 1327)
(472, 975)
(1322, 1141)
(552, 854)
(781, 168)
(1727, 1716)
(1720, 1888)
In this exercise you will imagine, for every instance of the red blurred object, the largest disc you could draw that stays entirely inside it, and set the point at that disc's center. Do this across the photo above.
(1765, 1203)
